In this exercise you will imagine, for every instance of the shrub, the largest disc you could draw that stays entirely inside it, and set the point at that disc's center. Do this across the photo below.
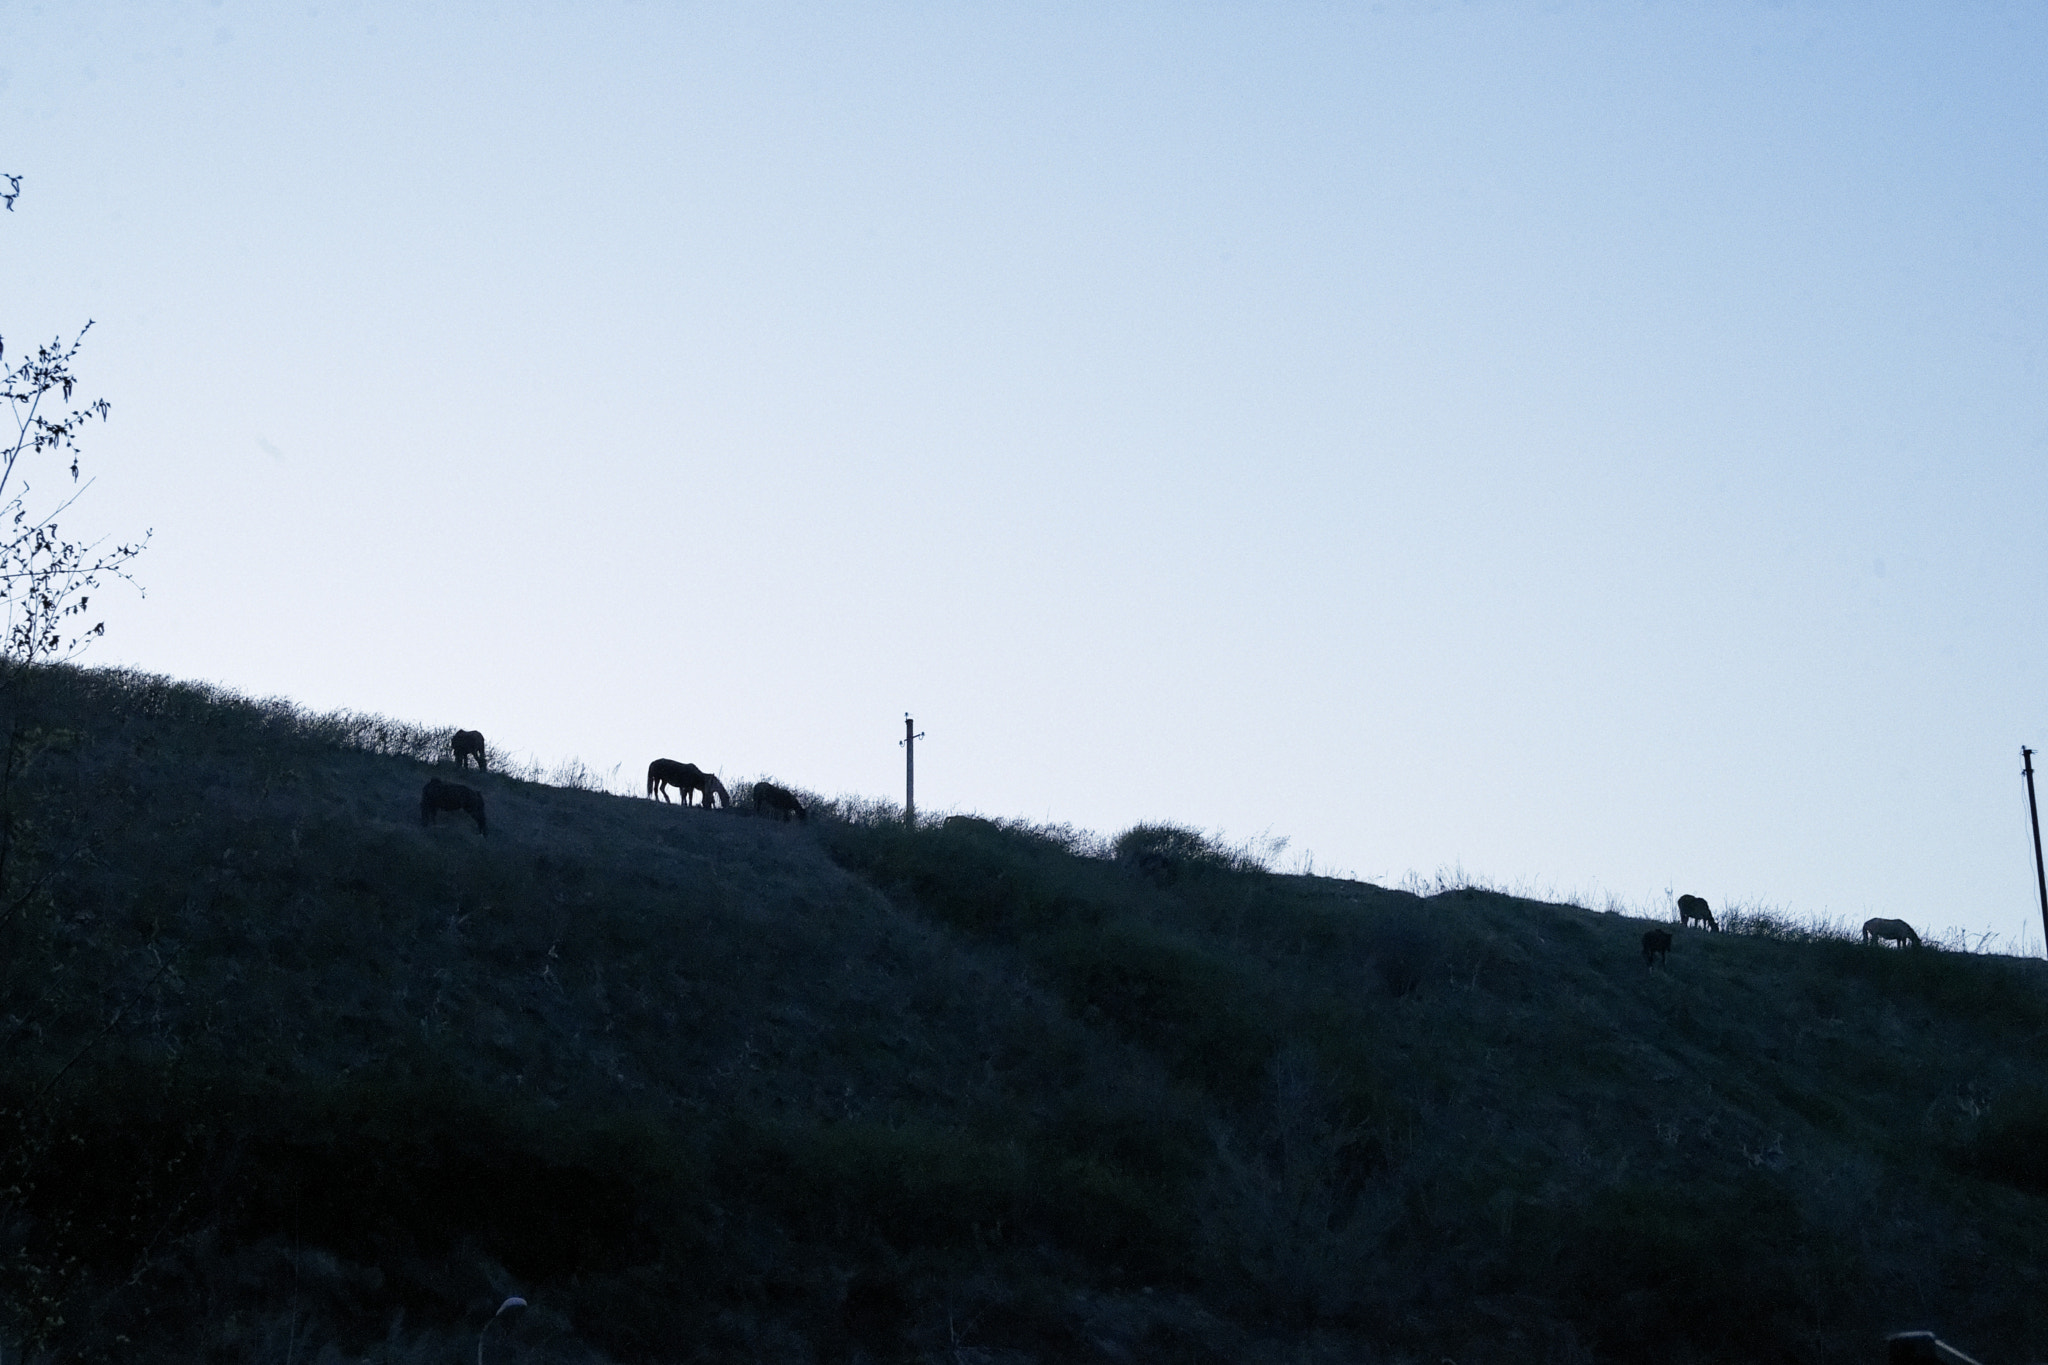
(2009, 1142)
(1657, 1270)
(1183, 850)
(1407, 944)
(1282, 1210)
(1197, 1010)
(1001, 882)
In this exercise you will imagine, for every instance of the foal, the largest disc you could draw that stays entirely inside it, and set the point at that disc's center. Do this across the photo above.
(770, 798)
(438, 796)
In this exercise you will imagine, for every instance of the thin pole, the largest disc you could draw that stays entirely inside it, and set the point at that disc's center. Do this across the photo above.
(2034, 815)
(909, 743)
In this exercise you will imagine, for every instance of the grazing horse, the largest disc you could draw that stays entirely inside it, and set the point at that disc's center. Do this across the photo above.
(664, 773)
(438, 796)
(1892, 930)
(1691, 908)
(1656, 944)
(769, 797)
(469, 744)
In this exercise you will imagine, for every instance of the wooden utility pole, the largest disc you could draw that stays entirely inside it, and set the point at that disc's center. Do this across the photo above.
(2034, 815)
(909, 743)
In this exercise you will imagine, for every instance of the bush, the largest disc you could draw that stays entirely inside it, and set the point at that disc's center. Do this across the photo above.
(1655, 1271)
(918, 1188)
(1284, 1211)
(1000, 882)
(1197, 1010)
(1178, 850)
(1407, 944)
(2009, 1142)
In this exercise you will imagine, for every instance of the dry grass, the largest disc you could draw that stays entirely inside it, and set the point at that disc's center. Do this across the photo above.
(291, 1077)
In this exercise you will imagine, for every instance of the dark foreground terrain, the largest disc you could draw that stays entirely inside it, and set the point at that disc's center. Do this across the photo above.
(290, 1078)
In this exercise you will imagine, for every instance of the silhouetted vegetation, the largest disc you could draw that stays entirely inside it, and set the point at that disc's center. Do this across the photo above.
(291, 1077)
(47, 578)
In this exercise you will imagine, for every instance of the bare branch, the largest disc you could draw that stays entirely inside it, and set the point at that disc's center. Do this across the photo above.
(47, 581)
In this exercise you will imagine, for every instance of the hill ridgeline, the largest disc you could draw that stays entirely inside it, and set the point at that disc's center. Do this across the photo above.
(291, 1076)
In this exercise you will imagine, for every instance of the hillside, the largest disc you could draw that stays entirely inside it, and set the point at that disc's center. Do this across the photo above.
(291, 1078)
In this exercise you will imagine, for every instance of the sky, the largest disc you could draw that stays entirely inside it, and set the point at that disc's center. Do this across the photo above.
(1599, 449)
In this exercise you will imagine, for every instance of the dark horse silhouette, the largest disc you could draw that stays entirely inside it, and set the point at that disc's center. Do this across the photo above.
(664, 773)
(1691, 908)
(1656, 944)
(1890, 930)
(438, 796)
(769, 797)
(469, 744)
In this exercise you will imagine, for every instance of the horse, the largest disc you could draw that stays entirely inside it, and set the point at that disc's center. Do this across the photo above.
(769, 797)
(1691, 908)
(469, 744)
(438, 796)
(1890, 930)
(1656, 944)
(664, 773)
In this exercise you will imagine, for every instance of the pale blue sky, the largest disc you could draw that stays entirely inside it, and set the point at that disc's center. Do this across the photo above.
(1603, 446)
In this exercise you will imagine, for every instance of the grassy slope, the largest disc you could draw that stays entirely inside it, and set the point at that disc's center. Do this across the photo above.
(291, 1077)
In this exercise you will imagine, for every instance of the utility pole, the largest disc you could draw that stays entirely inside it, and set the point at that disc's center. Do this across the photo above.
(909, 743)
(2034, 814)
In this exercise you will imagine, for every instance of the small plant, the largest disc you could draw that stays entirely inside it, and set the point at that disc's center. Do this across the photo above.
(1407, 944)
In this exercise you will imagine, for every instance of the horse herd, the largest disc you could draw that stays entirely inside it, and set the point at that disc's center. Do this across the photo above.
(687, 780)
(1657, 942)
(664, 773)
